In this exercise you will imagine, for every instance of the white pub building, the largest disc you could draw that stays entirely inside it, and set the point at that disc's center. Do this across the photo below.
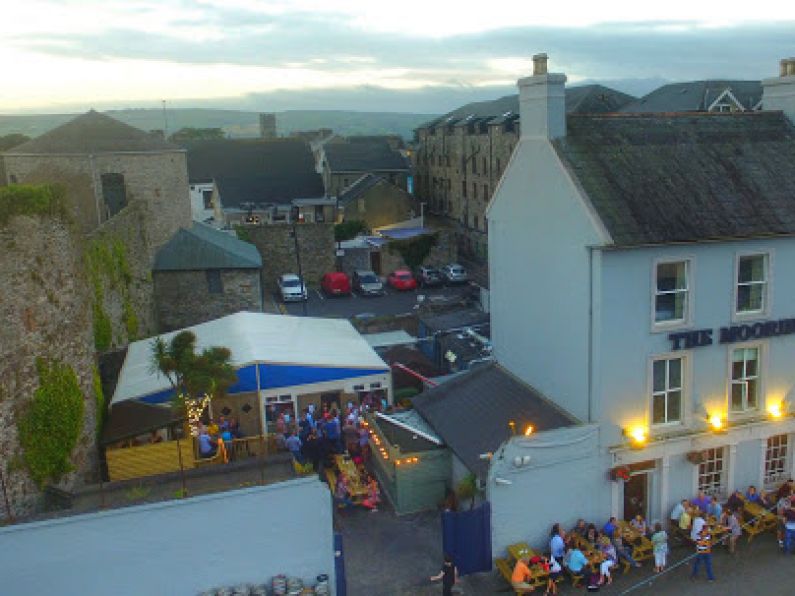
(643, 279)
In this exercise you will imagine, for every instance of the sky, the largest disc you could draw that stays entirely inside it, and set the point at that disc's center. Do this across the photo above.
(409, 56)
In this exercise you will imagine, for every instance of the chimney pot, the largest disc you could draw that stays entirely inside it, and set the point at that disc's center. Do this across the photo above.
(540, 64)
(783, 67)
(790, 63)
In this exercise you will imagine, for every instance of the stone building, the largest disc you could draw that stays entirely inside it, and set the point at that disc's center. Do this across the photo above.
(700, 96)
(376, 201)
(343, 161)
(267, 126)
(256, 181)
(203, 274)
(128, 191)
(460, 157)
(46, 312)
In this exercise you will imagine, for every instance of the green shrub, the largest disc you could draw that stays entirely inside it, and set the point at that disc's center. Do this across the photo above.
(30, 199)
(100, 400)
(414, 251)
(49, 427)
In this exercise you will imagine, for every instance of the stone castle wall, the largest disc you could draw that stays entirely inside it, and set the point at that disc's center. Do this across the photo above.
(277, 247)
(46, 313)
(183, 299)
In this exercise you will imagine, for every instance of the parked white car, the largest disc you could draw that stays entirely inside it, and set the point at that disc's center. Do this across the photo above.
(455, 274)
(291, 288)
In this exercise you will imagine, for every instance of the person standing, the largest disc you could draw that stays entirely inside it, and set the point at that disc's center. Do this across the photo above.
(448, 575)
(735, 530)
(659, 542)
(789, 529)
(703, 554)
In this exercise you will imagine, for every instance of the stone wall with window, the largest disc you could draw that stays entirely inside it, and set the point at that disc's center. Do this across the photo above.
(186, 298)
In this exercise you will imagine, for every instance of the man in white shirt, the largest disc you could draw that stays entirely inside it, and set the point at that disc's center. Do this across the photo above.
(698, 525)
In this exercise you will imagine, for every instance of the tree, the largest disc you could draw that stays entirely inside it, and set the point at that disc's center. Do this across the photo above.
(468, 489)
(196, 378)
(348, 230)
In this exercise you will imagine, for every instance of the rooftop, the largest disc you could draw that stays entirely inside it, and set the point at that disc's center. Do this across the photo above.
(364, 156)
(685, 177)
(92, 133)
(696, 96)
(203, 247)
(470, 412)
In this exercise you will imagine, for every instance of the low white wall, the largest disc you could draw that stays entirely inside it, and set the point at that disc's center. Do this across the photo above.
(177, 547)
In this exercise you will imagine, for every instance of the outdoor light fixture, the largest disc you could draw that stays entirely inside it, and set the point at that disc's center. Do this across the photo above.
(637, 435)
(716, 422)
(512, 426)
(775, 410)
(529, 430)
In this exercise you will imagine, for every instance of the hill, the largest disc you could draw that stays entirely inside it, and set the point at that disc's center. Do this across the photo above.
(235, 123)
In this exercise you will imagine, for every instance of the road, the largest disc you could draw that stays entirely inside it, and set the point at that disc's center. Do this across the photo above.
(393, 303)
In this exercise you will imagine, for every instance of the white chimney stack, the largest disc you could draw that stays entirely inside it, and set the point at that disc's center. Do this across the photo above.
(542, 102)
(778, 93)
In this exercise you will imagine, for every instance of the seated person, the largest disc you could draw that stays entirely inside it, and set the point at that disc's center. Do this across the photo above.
(234, 428)
(592, 534)
(639, 525)
(212, 428)
(223, 423)
(341, 493)
(623, 551)
(610, 527)
(207, 445)
(373, 495)
(553, 570)
(752, 496)
(610, 559)
(556, 544)
(575, 561)
(701, 501)
(677, 511)
(715, 509)
(520, 578)
(685, 519)
(581, 528)
(785, 490)
(736, 501)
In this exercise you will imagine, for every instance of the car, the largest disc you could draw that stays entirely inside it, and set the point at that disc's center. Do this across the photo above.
(429, 277)
(402, 279)
(335, 283)
(455, 274)
(367, 283)
(291, 288)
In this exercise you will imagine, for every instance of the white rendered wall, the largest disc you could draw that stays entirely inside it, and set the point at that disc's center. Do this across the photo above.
(177, 547)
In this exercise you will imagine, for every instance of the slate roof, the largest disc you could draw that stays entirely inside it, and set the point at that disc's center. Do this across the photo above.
(93, 132)
(278, 188)
(662, 178)
(595, 99)
(359, 187)
(364, 156)
(695, 96)
(471, 412)
(203, 247)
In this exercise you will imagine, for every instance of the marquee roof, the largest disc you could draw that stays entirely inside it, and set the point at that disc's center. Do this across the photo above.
(287, 350)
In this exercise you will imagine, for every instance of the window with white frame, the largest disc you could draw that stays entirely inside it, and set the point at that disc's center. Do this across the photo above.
(671, 292)
(710, 472)
(751, 284)
(666, 391)
(745, 379)
(776, 460)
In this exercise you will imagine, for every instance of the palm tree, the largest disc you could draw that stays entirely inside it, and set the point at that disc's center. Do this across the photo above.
(196, 378)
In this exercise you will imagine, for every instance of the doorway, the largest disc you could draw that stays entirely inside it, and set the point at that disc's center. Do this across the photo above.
(636, 495)
(375, 262)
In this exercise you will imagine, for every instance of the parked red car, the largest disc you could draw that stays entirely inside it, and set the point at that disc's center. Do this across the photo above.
(336, 284)
(402, 279)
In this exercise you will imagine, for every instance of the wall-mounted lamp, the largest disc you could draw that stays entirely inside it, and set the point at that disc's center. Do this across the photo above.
(717, 423)
(777, 409)
(638, 435)
(512, 426)
(529, 430)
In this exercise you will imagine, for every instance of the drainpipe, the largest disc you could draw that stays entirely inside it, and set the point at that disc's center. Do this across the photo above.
(590, 332)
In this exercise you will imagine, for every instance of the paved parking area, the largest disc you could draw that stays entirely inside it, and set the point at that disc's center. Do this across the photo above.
(393, 303)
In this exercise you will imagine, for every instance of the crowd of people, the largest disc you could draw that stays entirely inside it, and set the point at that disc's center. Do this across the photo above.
(702, 522)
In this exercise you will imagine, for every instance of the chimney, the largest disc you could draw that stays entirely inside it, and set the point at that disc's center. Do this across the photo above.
(542, 102)
(778, 93)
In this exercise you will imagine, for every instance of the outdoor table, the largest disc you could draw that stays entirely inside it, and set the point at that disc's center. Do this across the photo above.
(348, 469)
(582, 543)
(717, 530)
(761, 520)
(520, 550)
(642, 548)
(538, 576)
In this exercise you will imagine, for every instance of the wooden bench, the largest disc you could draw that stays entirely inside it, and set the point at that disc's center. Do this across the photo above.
(504, 567)
(302, 469)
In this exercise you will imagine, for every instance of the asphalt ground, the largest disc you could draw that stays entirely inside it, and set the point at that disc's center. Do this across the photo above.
(386, 555)
(392, 303)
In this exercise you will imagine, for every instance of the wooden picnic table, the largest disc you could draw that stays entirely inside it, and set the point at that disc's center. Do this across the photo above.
(761, 520)
(538, 575)
(642, 548)
(520, 550)
(349, 470)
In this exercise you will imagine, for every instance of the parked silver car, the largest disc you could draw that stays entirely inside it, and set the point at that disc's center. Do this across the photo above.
(367, 283)
(291, 288)
(455, 274)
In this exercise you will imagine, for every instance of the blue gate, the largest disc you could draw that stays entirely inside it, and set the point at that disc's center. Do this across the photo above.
(466, 536)
(339, 565)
